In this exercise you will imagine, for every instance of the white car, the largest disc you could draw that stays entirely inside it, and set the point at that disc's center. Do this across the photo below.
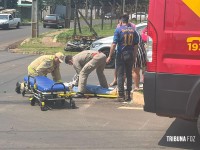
(8, 21)
(139, 15)
(104, 44)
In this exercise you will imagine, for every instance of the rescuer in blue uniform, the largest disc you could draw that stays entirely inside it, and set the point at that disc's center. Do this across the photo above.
(126, 39)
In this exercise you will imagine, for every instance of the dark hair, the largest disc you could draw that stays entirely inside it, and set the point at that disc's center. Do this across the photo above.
(120, 17)
(125, 13)
(68, 58)
(125, 18)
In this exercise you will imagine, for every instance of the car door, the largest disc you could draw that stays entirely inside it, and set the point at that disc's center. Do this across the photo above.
(11, 21)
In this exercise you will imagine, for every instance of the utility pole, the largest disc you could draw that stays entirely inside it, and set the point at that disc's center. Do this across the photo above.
(86, 9)
(75, 17)
(124, 5)
(34, 20)
(136, 4)
(68, 14)
(91, 8)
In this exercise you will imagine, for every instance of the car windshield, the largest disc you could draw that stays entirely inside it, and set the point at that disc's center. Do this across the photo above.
(4, 17)
(50, 18)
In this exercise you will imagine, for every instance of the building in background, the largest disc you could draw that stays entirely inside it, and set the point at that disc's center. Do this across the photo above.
(24, 8)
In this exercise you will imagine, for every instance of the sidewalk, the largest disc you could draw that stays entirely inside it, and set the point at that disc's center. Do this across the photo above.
(138, 96)
(138, 99)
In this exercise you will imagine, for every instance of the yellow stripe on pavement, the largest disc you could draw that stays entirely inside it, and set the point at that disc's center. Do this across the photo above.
(135, 108)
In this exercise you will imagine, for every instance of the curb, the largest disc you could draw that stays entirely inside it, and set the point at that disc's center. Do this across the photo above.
(138, 99)
(12, 46)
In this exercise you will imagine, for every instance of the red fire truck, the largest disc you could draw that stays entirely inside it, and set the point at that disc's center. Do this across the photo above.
(172, 77)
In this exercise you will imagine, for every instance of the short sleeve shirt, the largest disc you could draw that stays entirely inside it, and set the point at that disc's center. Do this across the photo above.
(125, 37)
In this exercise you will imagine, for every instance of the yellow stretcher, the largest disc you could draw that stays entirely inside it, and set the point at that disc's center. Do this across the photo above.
(45, 90)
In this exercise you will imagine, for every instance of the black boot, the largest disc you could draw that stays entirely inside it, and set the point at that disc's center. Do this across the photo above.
(128, 96)
(121, 97)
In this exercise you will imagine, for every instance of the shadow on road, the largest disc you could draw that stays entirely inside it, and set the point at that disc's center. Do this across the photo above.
(186, 135)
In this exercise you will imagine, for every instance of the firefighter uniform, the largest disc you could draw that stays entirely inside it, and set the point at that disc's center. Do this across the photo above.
(44, 65)
(87, 61)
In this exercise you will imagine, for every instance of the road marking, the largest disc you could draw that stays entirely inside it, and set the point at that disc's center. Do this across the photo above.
(135, 108)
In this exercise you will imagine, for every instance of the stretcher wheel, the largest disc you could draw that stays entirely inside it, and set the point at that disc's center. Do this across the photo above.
(73, 105)
(23, 93)
(62, 102)
(42, 104)
(32, 100)
(43, 107)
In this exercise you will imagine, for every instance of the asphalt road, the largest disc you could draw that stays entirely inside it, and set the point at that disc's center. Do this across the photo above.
(96, 124)
(13, 35)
